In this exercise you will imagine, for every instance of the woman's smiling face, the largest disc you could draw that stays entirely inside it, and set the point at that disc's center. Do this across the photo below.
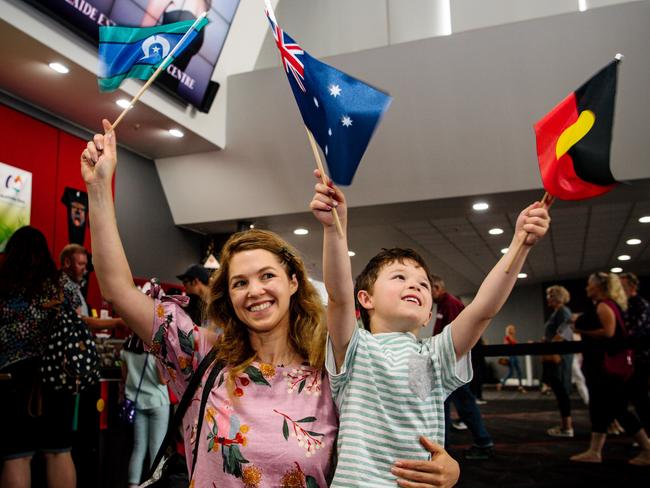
(260, 290)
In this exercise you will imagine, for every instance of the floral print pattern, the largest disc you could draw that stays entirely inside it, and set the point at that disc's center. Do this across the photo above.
(271, 432)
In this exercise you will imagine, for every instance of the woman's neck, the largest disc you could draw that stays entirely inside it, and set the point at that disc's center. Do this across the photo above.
(273, 348)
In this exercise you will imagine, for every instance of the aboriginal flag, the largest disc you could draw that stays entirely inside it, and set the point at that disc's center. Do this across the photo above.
(574, 140)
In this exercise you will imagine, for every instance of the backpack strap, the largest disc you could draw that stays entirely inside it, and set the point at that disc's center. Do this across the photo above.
(182, 408)
(207, 388)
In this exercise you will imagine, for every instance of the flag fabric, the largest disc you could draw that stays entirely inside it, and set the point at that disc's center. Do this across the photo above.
(340, 111)
(574, 140)
(136, 52)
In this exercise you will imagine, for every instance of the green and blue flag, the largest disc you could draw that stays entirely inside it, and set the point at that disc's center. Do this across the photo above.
(136, 52)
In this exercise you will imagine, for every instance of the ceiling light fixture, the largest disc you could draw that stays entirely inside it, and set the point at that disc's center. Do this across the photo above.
(176, 133)
(616, 269)
(480, 206)
(522, 275)
(582, 5)
(633, 242)
(645, 219)
(624, 257)
(495, 231)
(352, 254)
(59, 68)
(301, 231)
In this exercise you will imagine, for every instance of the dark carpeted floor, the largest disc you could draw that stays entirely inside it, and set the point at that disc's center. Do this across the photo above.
(525, 456)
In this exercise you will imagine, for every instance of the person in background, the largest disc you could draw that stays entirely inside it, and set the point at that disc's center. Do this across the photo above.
(557, 368)
(448, 308)
(195, 280)
(638, 326)
(146, 387)
(31, 291)
(513, 361)
(480, 368)
(607, 396)
(74, 263)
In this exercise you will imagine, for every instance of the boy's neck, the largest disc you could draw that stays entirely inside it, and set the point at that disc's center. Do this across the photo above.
(384, 327)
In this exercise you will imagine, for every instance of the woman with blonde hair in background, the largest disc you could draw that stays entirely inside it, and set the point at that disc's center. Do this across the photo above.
(607, 399)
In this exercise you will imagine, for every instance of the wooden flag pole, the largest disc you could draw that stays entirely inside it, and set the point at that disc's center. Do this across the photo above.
(155, 74)
(545, 199)
(323, 178)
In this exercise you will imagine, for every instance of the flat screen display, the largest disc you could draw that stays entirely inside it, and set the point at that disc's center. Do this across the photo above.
(189, 76)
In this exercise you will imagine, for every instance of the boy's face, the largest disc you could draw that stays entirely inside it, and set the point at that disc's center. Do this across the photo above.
(400, 300)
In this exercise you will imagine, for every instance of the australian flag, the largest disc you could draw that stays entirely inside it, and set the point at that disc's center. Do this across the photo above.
(340, 111)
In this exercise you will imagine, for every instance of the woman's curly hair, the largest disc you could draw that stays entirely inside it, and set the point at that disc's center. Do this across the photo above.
(307, 332)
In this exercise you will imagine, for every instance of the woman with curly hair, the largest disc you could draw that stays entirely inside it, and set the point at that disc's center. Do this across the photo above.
(607, 398)
(270, 419)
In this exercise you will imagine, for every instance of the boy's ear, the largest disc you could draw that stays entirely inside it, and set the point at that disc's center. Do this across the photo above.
(429, 319)
(365, 299)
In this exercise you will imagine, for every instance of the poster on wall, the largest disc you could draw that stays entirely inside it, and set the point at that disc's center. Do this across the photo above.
(15, 201)
(188, 77)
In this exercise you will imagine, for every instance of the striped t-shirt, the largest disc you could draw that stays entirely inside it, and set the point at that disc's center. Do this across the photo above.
(390, 390)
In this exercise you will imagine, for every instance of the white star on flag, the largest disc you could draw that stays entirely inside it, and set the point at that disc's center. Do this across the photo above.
(335, 90)
(346, 121)
(156, 49)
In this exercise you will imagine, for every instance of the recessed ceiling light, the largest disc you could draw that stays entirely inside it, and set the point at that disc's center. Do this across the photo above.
(633, 242)
(123, 103)
(495, 231)
(352, 254)
(624, 257)
(480, 206)
(522, 275)
(616, 269)
(301, 232)
(251, 226)
(176, 133)
(59, 68)
(504, 250)
(645, 219)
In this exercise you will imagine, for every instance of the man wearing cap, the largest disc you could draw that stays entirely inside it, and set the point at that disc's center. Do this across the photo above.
(195, 280)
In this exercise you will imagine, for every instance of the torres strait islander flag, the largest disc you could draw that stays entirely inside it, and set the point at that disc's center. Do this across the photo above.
(136, 52)
(340, 111)
(574, 140)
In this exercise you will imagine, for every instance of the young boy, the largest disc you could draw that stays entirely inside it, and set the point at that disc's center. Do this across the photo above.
(389, 386)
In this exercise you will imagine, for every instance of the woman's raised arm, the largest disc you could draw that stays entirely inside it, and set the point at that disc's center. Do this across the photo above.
(98, 163)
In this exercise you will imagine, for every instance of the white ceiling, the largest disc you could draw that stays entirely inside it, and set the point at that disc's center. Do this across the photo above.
(585, 236)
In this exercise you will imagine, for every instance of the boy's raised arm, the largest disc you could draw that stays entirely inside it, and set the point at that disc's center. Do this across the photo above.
(98, 163)
(532, 224)
(337, 271)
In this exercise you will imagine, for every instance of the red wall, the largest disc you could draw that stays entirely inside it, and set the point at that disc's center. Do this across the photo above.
(52, 156)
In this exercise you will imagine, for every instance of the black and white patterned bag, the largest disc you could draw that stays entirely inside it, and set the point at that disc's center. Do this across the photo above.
(70, 361)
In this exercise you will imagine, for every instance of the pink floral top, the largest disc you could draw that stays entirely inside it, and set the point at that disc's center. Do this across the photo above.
(279, 430)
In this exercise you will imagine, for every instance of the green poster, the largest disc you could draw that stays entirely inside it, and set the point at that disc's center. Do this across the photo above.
(15, 201)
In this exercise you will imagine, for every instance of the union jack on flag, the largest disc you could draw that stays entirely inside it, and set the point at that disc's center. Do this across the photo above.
(340, 111)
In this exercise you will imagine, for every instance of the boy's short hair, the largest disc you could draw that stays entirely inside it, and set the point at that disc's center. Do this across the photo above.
(367, 277)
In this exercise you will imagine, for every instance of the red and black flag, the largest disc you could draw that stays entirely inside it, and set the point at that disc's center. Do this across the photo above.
(574, 140)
